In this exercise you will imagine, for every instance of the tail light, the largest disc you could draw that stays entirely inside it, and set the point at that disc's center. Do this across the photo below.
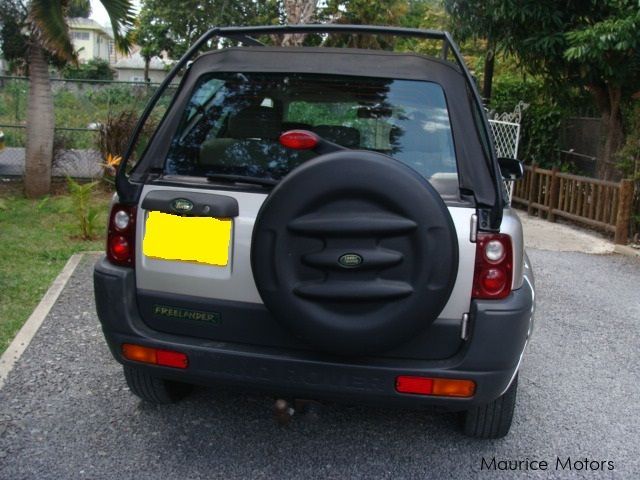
(121, 235)
(443, 387)
(494, 266)
(154, 356)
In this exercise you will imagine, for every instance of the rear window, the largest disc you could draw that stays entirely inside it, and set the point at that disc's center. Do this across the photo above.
(232, 123)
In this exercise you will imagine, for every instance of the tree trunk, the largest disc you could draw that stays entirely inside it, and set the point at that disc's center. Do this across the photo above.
(147, 61)
(608, 100)
(297, 11)
(487, 81)
(40, 126)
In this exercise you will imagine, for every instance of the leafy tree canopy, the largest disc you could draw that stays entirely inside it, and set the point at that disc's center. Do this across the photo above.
(590, 40)
(591, 44)
(79, 8)
(166, 25)
(14, 41)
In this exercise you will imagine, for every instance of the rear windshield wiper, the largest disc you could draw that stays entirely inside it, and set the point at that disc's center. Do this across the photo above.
(264, 182)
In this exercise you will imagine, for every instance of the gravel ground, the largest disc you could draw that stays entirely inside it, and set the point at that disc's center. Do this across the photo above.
(65, 412)
(560, 237)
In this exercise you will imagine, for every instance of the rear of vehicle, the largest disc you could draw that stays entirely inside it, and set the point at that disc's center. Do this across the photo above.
(319, 223)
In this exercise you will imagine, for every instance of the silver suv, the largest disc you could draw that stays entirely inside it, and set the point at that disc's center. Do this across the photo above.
(320, 223)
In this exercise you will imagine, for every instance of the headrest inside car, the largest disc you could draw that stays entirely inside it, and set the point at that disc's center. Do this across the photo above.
(346, 136)
(255, 122)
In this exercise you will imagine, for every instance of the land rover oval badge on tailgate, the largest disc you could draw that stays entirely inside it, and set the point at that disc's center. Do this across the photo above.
(350, 260)
(182, 205)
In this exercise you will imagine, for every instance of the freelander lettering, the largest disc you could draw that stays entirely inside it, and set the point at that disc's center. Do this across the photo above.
(183, 313)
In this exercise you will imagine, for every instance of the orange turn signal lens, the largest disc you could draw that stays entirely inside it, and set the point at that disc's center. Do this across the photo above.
(138, 353)
(449, 387)
(154, 356)
(442, 387)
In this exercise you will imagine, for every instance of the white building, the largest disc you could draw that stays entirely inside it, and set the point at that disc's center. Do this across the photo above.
(91, 40)
(131, 68)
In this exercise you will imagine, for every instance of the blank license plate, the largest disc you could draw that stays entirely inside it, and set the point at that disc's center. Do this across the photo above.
(187, 239)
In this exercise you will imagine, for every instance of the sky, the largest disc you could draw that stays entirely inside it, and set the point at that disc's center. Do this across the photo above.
(99, 14)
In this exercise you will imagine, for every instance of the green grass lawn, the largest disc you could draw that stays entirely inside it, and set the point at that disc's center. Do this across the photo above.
(37, 237)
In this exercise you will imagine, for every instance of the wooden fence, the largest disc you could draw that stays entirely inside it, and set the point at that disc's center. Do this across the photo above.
(596, 203)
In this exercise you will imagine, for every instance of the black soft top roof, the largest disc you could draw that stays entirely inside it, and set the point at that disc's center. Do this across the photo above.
(477, 167)
(332, 61)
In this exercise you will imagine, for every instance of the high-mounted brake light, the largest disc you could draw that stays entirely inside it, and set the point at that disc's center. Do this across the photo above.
(494, 266)
(121, 235)
(299, 139)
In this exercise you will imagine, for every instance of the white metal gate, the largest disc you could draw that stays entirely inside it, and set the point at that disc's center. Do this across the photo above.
(505, 128)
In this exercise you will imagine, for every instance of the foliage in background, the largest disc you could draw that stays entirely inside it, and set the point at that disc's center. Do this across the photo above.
(606, 57)
(475, 19)
(591, 44)
(46, 24)
(541, 121)
(629, 163)
(167, 25)
(76, 105)
(12, 36)
(151, 34)
(364, 12)
(94, 69)
(114, 136)
(86, 214)
(79, 8)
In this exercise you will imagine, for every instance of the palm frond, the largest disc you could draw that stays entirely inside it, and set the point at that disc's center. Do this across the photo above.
(122, 15)
(49, 25)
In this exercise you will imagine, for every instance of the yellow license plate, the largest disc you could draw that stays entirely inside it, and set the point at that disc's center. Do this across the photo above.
(187, 239)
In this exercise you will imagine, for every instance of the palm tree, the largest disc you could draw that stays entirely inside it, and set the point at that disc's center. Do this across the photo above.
(49, 36)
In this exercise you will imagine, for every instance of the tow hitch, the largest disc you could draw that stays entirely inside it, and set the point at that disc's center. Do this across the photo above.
(283, 410)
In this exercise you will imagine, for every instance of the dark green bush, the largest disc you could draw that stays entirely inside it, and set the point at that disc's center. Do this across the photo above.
(94, 69)
(541, 121)
(629, 163)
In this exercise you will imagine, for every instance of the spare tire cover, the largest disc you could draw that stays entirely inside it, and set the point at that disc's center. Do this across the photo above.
(355, 252)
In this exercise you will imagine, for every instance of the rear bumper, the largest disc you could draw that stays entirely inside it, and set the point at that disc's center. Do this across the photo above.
(499, 331)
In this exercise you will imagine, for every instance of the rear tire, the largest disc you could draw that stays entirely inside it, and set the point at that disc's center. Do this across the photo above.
(492, 420)
(153, 389)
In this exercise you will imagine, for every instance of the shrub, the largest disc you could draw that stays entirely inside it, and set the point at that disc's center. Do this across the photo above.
(94, 69)
(87, 216)
(629, 164)
(541, 121)
(111, 95)
(114, 136)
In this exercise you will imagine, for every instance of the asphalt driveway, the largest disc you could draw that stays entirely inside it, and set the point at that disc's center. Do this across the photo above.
(65, 411)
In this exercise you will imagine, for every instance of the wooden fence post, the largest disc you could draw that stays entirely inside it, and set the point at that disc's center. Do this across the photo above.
(554, 194)
(533, 188)
(625, 200)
